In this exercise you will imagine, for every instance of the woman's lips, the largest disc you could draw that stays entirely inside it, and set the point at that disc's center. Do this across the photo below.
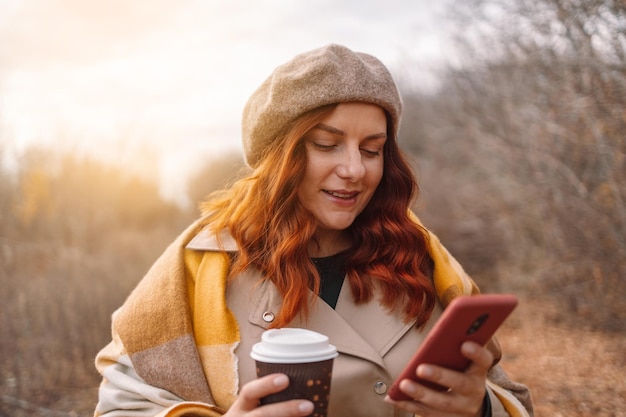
(341, 194)
(341, 197)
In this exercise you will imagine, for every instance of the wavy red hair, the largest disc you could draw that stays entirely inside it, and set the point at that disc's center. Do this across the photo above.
(273, 230)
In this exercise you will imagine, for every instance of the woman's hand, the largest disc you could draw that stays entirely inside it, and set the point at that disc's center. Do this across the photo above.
(467, 389)
(247, 404)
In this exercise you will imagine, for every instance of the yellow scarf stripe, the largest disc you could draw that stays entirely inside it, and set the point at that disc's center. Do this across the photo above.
(213, 322)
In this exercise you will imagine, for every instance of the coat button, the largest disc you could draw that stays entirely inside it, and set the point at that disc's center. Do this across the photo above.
(268, 317)
(380, 388)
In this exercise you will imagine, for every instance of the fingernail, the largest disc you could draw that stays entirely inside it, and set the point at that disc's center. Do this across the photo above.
(281, 380)
(425, 370)
(306, 407)
(408, 387)
(469, 348)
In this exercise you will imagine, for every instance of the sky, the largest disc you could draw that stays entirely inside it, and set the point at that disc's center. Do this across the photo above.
(160, 84)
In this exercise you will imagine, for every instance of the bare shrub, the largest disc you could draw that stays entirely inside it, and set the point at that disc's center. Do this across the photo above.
(76, 235)
(81, 235)
(524, 150)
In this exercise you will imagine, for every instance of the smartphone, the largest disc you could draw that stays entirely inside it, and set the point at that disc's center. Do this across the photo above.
(474, 318)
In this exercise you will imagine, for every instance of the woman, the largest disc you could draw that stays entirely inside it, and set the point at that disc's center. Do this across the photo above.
(319, 236)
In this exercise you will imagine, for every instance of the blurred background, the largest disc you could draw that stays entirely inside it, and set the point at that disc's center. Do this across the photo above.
(117, 117)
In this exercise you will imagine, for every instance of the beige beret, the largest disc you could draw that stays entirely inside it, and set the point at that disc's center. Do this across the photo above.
(327, 75)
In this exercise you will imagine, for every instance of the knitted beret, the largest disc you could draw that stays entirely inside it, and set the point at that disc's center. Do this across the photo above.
(327, 75)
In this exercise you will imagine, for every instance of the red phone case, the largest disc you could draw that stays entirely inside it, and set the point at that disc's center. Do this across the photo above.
(474, 318)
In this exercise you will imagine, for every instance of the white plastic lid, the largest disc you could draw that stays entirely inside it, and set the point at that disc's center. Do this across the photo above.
(292, 345)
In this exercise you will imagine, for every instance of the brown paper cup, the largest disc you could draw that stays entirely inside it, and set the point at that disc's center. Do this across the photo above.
(309, 381)
(306, 357)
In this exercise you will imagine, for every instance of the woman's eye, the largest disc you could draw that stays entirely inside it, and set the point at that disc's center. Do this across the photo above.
(323, 147)
(371, 152)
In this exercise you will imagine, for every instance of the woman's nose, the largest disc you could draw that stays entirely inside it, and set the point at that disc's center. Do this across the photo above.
(350, 165)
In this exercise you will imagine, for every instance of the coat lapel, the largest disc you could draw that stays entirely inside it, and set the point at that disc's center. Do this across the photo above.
(366, 330)
(378, 326)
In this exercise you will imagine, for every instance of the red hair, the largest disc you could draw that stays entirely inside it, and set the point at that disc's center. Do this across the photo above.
(263, 214)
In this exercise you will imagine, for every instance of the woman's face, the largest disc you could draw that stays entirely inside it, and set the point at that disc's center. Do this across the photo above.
(344, 164)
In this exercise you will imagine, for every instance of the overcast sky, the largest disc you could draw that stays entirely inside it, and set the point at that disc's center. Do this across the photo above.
(127, 78)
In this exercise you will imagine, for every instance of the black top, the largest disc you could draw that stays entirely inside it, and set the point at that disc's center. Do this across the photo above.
(332, 273)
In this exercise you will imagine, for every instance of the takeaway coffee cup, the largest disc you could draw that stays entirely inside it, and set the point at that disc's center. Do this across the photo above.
(305, 357)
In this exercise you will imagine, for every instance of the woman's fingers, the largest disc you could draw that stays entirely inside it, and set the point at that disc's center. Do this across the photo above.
(252, 392)
(479, 355)
(466, 389)
(461, 382)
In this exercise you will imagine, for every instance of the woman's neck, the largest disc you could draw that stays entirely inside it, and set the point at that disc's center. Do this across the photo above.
(329, 242)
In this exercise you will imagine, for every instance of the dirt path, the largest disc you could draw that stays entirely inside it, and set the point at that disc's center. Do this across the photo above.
(571, 372)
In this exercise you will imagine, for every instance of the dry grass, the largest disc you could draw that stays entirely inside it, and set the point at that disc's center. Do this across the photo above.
(570, 371)
(56, 307)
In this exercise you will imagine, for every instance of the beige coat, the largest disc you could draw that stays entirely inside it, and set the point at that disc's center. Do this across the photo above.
(373, 343)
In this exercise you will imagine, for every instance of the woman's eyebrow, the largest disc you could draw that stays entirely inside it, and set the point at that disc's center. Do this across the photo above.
(381, 135)
(330, 129)
(340, 132)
